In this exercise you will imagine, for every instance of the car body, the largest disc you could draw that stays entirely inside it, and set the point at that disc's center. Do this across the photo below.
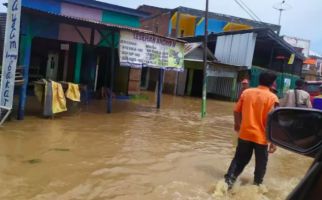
(300, 130)
(313, 88)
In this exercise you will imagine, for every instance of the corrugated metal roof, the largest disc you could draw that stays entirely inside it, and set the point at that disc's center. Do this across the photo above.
(236, 49)
(93, 22)
(109, 7)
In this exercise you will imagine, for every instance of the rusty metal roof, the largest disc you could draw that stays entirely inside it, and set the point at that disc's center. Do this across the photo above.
(82, 21)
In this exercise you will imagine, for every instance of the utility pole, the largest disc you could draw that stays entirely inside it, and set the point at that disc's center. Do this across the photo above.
(281, 7)
(205, 65)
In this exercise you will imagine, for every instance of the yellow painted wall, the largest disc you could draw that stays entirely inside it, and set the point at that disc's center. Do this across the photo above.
(186, 24)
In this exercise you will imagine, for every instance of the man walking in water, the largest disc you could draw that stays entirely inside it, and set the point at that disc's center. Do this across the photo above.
(250, 116)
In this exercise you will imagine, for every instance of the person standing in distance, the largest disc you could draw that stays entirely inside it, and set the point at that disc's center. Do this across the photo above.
(297, 97)
(250, 115)
(244, 86)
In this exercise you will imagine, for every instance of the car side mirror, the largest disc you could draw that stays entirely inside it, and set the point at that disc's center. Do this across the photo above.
(296, 129)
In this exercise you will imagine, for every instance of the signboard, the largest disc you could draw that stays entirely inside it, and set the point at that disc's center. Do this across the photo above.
(291, 60)
(10, 54)
(142, 50)
(64, 47)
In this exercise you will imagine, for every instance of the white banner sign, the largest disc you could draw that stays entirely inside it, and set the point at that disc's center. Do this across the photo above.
(10, 54)
(143, 50)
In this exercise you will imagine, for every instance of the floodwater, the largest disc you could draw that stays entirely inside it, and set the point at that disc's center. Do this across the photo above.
(135, 153)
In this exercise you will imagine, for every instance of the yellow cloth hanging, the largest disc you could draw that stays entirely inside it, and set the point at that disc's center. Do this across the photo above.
(59, 100)
(73, 92)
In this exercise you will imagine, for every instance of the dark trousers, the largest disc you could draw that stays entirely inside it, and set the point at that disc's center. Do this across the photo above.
(242, 157)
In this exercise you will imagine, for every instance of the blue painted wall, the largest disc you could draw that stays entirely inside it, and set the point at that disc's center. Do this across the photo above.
(214, 26)
(52, 6)
(39, 27)
(44, 28)
(24, 24)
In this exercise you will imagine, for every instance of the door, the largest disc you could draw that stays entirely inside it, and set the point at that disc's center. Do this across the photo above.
(134, 81)
(52, 66)
(197, 83)
(145, 78)
(182, 80)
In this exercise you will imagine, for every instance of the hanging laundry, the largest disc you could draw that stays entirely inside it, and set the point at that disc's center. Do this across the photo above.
(58, 98)
(73, 92)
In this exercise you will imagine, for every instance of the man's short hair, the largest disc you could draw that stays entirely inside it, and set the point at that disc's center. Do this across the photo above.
(299, 83)
(267, 78)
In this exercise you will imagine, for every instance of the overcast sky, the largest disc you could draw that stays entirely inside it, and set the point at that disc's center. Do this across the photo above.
(303, 20)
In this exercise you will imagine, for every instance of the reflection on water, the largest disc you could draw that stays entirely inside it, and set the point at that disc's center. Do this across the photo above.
(135, 153)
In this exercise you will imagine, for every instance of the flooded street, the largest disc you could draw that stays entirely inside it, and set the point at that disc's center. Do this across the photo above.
(135, 153)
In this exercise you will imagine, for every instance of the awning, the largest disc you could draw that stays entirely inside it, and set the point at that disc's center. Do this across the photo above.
(310, 61)
(263, 35)
(194, 52)
(189, 47)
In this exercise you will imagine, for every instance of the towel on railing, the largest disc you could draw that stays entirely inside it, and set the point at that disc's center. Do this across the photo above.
(73, 92)
(58, 98)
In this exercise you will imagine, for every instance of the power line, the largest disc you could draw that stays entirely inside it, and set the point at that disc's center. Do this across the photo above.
(250, 10)
(249, 13)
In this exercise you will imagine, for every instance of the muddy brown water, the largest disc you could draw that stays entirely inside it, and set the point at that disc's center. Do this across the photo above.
(135, 153)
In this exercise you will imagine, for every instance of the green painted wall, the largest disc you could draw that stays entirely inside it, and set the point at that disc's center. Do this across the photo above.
(255, 71)
(108, 41)
(78, 64)
(120, 19)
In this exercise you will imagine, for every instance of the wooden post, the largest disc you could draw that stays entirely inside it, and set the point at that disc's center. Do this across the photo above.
(271, 59)
(65, 65)
(25, 62)
(91, 68)
(175, 91)
(78, 64)
(234, 88)
(96, 73)
(178, 32)
(160, 88)
(110, 94)
(190, 82)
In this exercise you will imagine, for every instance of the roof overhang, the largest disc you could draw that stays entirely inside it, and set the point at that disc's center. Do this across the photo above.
(263, 34)
(108, 7)
(92, 23)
